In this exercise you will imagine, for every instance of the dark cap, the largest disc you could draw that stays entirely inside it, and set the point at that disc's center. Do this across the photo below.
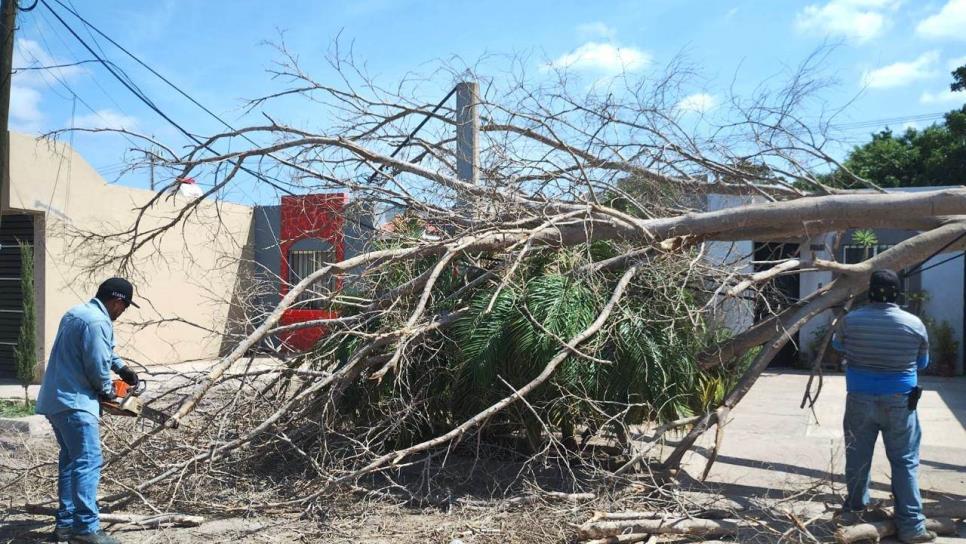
(117, 288)
(884, 285)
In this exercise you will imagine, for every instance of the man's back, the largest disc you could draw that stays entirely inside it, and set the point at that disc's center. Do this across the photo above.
(882, 337)
(883, 345)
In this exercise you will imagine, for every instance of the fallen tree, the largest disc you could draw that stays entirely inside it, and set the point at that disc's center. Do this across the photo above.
(581, 240)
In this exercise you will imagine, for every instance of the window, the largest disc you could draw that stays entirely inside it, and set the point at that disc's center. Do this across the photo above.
(853, 254)
(305, 257)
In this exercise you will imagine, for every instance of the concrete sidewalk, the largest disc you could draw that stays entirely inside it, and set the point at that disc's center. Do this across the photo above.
(13, 390)
(773, 447)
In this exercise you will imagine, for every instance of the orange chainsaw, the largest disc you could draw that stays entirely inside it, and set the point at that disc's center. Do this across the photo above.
(127, 402)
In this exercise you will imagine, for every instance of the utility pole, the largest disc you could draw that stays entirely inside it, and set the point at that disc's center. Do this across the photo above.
(468, 131)
(8, 21)
(150, 157)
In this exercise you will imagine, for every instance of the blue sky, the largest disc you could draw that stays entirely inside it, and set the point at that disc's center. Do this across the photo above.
(891, 58)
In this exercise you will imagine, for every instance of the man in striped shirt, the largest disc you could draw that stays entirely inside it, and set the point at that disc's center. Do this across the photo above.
(884, 347)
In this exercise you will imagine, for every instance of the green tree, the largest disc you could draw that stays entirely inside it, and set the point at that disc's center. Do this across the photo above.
(959, 79)
(935, 155)
(25, 353)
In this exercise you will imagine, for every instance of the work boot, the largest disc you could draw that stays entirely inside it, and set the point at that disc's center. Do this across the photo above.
(925, 536)
(98, 537)
(61, 534)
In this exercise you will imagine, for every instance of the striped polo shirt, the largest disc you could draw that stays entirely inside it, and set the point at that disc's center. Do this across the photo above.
(883, 346)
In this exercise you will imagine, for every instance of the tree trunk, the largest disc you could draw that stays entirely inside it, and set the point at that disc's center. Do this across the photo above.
(881, 529)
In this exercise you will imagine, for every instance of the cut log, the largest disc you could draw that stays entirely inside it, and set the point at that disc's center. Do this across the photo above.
(154, 521)
(881, 529)
(146, 521)
(552, 495)
(710, 513)
(598, 515)
(625, 539)
(676, 526)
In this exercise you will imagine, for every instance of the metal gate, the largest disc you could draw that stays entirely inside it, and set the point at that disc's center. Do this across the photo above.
(12, 229)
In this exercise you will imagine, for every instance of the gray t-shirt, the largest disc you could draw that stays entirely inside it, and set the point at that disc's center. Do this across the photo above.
(882, 337)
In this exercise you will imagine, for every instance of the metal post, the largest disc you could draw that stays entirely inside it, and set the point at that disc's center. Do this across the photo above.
(468, 131)
(152, 168)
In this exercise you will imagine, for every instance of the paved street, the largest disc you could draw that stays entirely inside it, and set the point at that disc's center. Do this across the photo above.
(773, 446)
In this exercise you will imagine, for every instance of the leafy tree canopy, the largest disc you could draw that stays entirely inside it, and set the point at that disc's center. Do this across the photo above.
(932, 156)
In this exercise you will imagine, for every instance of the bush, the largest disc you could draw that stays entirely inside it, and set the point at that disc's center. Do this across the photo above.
(943, 348)
(25, 352)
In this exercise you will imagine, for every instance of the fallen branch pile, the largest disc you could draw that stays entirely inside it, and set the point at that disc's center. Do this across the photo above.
(582, 283)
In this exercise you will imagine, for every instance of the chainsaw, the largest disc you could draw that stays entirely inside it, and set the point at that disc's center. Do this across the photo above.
(127, 402)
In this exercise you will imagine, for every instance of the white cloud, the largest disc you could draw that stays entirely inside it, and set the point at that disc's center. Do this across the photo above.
(902, 73)
(952, 64)
(944, 96)
(26, 112)
(603, 57)
(30, 54)
(595, 30)
(106, 119)
(24, 107)
(949, 22)
(856, 20)
(698, 102)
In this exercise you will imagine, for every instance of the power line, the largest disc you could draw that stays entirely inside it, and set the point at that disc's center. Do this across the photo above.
(149, 68)
(216, 116)
(414, 131)
(183, 93)
(147, 101)
(879, 122)
(63, 80)
(157, 74)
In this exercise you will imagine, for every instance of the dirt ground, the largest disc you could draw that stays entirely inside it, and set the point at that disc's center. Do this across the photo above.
(459, 519)
(796, 485)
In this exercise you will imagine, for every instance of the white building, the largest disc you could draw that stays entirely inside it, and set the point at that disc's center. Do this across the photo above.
(938, 286)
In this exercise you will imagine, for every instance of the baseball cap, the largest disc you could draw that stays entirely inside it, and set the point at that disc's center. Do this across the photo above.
(884, 285)
(117, 288)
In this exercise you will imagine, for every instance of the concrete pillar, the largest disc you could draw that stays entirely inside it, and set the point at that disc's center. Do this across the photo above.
(468, 131)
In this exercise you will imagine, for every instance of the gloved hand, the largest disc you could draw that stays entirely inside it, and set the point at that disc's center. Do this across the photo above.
(129, 376)
(105, 397)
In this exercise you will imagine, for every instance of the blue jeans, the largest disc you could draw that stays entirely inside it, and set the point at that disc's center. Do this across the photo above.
(78, 435)
(865, 417)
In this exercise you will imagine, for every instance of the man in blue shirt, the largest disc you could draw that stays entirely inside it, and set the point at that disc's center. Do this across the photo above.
(78, 374)
(884, 348)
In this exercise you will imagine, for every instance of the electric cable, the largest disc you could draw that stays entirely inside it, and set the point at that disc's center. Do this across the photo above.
(940, 263)
(915, 270)
(414, 131)
(160, 76)
(215, 115)
(147, 101)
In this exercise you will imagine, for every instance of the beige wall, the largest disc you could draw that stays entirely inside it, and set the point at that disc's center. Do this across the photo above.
(191, 274)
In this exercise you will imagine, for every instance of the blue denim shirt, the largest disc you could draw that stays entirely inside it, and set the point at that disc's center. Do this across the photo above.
(80, 361)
